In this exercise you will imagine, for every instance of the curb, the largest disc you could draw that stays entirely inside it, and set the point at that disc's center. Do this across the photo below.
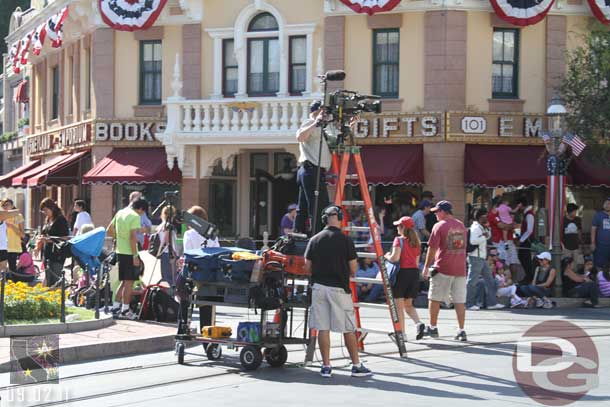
(110, 349)
(57, 328)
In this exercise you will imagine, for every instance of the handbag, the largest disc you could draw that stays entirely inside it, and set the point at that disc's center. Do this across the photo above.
(394, 268)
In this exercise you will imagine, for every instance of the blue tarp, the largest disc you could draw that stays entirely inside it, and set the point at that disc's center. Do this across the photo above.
(88, 247)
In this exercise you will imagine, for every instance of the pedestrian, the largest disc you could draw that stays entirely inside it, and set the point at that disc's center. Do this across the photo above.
(477, 264)
(287, 222)
(314, 157)
(419, 218)
(124, 228)
(368, 292)
(82, 217)
(14, 234)
(331, 260)
(447, 258)
(603, 281)
(145, 223)
(528, 228)
(571, 234)
(167, 240)
(578, 283)
(430, 217)
(56, 226)
(406, 249)
(539, 290)
(600, 236)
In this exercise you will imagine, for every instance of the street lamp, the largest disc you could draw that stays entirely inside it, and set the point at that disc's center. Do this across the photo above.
(557, 164)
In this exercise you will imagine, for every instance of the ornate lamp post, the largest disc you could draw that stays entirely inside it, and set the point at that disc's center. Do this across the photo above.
(557, 164)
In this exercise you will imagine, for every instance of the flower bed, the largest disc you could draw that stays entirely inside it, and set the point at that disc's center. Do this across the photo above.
(22, 301)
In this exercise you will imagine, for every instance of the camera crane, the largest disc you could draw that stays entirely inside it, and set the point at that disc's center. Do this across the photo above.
(341, 106)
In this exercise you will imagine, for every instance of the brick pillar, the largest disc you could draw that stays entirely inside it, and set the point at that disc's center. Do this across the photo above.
(445, 60)
(444, 174)
(102, 72)
(556, 35)
(334, 47)
(101, 195)
(191, 61)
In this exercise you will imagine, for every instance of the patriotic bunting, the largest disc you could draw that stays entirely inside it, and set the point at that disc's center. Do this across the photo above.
(370, 7)
(54, 27)
(39, 36)
(130, 15)
(522, 12)
(601, 10)
(26, 49)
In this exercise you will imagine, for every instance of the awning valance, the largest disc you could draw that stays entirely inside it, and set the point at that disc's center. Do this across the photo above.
(21, 92)
(392, 164)
(6, 180)
(498, 165)
(133, 166)
(62, 170)
(586, 173)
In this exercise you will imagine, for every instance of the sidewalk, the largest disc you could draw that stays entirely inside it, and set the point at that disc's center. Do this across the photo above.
(123, 338)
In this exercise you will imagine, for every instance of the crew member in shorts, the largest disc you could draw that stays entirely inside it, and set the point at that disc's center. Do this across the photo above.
(124, 228)
(331, 259)
(447, 257)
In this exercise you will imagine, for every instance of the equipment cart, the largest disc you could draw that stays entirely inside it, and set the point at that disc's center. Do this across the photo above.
(271, 343)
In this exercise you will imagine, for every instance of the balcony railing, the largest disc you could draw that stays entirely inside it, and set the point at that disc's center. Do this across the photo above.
(231, 116)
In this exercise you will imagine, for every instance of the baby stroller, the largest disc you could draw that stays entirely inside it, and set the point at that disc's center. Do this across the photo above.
(88, 252)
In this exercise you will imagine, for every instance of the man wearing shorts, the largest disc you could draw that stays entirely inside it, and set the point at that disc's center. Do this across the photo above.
(447, 256)
(331, 259)
(124, 228)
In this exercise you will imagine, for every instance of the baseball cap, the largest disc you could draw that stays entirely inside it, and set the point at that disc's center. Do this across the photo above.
(315, 106)
(424, 204)
(444, 206)
(292, 207)
(544, 256)
(405, 221)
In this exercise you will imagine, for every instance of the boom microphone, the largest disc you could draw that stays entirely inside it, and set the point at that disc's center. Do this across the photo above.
(334, 75)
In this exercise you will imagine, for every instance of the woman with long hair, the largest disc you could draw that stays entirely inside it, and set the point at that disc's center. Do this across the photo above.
(55, 225)
(168, 252)
(406, 288)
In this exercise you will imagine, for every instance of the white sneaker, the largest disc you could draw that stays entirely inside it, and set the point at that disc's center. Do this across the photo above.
(497, 306)
(474, 308)
(547, 304)
(514, 302)
(539, 303)
(129, 315)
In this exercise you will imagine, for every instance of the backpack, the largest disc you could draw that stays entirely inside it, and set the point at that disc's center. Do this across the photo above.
(160, 306)
(267, 295)
(155, 245)
(469, 246)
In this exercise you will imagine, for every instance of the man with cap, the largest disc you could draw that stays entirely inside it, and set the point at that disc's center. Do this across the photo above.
(419, 218)
(287, 222)
(600, 236)
(447, 259)
(331, 260)
(430, 217)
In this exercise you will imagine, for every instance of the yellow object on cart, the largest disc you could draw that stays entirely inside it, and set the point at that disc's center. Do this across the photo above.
(216, 332)
(245, 256)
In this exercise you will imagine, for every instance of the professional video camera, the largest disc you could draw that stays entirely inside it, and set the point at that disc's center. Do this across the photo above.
(202, 226)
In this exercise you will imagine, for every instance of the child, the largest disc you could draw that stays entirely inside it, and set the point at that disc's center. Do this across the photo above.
(506, 288)
(505, 214)
(26, 271)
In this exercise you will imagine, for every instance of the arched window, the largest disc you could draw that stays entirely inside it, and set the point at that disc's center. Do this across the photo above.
(263, 22)
(263, 56)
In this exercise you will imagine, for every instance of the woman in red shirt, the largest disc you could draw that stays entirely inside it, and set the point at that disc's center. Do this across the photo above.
(406, 288)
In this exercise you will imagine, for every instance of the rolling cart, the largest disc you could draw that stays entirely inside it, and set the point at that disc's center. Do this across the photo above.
(271, 344)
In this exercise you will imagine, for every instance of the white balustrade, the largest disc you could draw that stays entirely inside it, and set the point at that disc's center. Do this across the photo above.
(294, 119)
(206, 118)
(187, 118)
(245, 121)
(275, 108)
(197, 120)
(265, 116)
(225, 118)
(285, 107)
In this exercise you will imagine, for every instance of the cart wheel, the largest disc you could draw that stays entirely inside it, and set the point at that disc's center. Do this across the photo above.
(251, 357)
(276, 357)
(180, 352)
(214, 351)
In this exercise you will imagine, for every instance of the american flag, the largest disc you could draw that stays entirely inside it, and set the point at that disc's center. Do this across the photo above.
(545, 136)
(575, 142)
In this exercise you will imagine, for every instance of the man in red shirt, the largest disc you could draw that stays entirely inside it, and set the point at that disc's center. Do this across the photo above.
(447, 259)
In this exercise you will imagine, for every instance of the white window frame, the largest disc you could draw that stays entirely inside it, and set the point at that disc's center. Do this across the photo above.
(240, 34)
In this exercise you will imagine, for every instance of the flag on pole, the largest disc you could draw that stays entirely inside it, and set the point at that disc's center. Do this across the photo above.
(545, 136)
(575, 142)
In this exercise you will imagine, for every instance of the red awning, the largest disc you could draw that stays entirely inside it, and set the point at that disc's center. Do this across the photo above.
(6, 180)
(21, 92)
(65, 172)
(21, 180)
(590, 174)
(497, 165)
(133, 166)
(392, 164)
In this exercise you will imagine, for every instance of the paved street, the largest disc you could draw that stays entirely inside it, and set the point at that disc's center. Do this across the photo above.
(437, 371)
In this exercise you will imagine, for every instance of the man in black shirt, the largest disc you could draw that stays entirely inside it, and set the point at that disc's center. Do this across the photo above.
(331, 258)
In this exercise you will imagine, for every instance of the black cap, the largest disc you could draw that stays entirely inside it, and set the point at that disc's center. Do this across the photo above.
(315, 106)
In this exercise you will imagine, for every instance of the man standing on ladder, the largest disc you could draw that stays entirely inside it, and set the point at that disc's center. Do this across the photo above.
(447, 259)
(331, 259)
(313, 153)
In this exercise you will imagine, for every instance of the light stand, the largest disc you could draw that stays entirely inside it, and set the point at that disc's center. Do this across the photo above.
(314, 220)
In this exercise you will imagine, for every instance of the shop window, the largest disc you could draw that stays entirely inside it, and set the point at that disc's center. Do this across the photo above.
(55, 93)
(150, 72)
(229, 68)
(263, 58)
(505, 64)
(386, 44)
(298, 64)
(222, 209)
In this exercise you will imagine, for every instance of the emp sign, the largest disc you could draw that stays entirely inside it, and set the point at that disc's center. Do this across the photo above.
(474, 125)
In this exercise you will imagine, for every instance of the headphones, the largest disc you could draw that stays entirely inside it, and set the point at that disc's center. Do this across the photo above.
(331, 210)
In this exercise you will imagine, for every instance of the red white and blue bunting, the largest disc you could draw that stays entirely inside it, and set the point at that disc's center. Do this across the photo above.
(54, 27)
(522, 12)
(370, 7)
(130, 15)
(601, 10)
